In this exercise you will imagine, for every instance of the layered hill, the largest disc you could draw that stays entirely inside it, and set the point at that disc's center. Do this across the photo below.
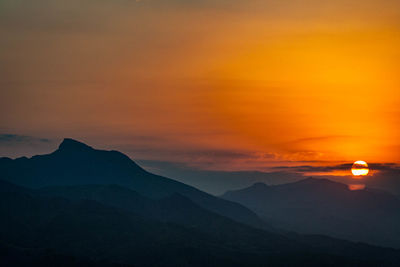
(321, 206)
(83, 226)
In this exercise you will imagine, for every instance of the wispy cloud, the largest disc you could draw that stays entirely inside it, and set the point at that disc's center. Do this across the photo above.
(16, 145)
(206, 159)
(15, 138)
(338, 168)
(319, 138)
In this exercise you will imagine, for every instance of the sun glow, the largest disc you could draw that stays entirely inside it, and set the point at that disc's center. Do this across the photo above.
(360, 168)
(355, 187)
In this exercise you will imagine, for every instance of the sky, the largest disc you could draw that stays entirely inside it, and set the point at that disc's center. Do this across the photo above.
(212, 85)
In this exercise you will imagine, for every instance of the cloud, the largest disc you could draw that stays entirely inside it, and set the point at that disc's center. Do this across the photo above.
(339, 169)
(319, 138)
(15, 145)
(15, 138)
(201, 158)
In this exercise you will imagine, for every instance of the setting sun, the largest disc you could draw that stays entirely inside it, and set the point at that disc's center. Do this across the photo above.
(360, 168)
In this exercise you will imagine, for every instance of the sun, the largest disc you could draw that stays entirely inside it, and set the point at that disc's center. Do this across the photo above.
(360, 168)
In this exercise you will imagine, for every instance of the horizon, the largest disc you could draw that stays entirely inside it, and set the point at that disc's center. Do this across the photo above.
(228, 180)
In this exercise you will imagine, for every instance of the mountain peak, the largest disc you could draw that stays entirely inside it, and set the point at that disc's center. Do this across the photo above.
(69, 144)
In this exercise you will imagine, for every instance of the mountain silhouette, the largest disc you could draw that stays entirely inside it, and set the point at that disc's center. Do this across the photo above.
(75, 163)
(321, 206)
(41, 227)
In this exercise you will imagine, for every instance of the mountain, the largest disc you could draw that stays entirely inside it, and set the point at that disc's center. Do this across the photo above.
(175, 208)
(321, 206)
(38, 227)
(75, 163)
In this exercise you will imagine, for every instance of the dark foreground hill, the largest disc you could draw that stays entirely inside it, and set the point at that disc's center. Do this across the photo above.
(320, 206)
(75, 163)
(92, 225)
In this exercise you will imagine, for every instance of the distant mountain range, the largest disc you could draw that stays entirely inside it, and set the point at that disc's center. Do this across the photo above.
(321, 206)
(86, 207)
(217, 182)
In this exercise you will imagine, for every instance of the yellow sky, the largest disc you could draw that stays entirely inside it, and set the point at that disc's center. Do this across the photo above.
(277, 80)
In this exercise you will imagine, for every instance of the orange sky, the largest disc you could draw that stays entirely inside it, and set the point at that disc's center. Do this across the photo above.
(216, 84)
